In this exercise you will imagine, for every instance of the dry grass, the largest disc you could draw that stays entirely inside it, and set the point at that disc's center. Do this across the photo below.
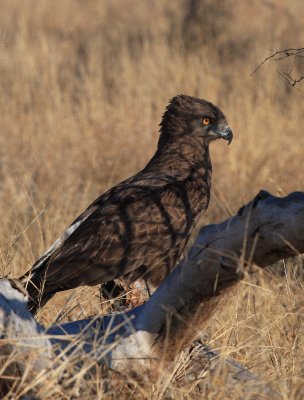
(83, 86)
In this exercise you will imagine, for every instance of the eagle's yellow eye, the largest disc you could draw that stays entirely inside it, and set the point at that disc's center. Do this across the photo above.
(206, 121)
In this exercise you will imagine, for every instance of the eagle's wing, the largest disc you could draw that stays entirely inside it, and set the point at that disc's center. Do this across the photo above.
(144, 227)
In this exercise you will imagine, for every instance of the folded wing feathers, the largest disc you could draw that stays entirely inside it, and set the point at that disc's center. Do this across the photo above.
(56, 245)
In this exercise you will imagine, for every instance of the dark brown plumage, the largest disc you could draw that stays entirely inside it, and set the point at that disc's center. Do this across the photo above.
(140, 227)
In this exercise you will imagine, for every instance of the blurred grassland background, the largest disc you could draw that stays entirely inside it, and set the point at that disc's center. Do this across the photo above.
(83, 85)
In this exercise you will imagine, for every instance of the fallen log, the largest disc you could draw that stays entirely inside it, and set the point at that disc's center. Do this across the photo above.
(146, 339)
(33, 362)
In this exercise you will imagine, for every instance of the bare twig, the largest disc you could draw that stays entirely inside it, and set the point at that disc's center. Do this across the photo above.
(281, 55)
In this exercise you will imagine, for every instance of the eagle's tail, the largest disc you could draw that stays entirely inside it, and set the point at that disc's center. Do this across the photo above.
(34, 283)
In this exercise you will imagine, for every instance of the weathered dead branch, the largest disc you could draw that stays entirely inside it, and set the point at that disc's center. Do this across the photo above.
(150, 337)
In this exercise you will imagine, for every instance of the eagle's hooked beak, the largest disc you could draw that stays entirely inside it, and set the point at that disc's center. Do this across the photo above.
(226, 133)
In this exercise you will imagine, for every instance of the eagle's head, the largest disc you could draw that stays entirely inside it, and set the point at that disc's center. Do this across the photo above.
(192, 116)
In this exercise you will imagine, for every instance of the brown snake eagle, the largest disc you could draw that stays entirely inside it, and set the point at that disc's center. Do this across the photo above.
(140, 227)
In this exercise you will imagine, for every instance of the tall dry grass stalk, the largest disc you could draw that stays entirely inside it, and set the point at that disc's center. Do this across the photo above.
(83, 85)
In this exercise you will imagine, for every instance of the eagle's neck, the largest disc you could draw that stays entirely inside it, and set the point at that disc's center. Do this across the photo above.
(186, 158)
(184, 164)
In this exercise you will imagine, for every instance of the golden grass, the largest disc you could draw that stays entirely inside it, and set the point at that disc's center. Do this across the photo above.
(83, 85)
